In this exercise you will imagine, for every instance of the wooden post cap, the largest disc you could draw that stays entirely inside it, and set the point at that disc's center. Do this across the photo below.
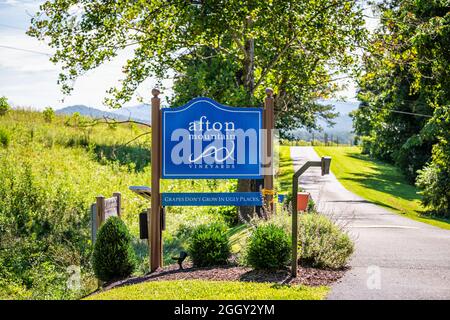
(155, 92)
(269, 92)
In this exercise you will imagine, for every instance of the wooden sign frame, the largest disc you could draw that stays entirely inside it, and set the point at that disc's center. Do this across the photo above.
(154, 216)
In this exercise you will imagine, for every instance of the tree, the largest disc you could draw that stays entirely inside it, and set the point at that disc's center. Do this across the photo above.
(4, 106)
(405, 94)
(229, 50)
(296, 47)
(49, 114)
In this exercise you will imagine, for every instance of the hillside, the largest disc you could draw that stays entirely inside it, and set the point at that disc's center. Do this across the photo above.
(139, 113)
(50, 173)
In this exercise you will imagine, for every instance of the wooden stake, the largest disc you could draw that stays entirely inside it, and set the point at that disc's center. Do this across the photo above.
(269, 125)
(101, 203)
(156, 260)
(118, 196)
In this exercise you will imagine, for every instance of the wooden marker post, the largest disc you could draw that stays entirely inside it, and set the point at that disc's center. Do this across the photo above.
(269, 125)
(118, 196)
(155, 238)
(100, 208)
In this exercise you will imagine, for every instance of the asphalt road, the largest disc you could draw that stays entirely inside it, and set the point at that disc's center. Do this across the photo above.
(395, 257)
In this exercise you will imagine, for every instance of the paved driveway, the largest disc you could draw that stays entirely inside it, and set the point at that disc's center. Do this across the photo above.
(395, 257)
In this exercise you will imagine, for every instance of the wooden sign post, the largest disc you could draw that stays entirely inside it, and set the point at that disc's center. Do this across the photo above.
(155, 238)
(269, 125)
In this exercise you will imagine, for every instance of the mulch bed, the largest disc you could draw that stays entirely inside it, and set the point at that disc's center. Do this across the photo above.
(305, 276)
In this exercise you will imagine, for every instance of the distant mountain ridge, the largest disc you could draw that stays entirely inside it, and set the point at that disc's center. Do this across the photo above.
(142, 113)
(343, 124)
(139, 113)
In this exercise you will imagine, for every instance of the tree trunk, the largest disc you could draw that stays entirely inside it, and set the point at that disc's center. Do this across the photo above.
(246, 185)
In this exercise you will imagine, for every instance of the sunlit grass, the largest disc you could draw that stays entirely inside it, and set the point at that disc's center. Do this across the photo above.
(211, 290)
(286, 170)
(378, 182)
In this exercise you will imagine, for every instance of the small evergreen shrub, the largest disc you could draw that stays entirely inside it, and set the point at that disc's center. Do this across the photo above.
(268, 247)
(209, 245)
(113, 256)
(322, 244)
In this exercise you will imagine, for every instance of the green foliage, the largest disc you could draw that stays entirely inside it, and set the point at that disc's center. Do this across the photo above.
(229, 51)
(5, 138)
(209, 245)
(434, 180)
(322, 243)
(49, 114)
(229, 214)
(4, 106)
(113, 256)
(406, 71)
(268, 247)
(49, 176)
(211, 290)
(366, 145)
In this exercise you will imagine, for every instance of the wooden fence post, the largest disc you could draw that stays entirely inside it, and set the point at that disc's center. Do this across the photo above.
(118, 196)
(100, 205)
(269, 125)
(156, 260)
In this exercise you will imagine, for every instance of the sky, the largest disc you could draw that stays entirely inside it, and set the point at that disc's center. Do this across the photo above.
(29, 79)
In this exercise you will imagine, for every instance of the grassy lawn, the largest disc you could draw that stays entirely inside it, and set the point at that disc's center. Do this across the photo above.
(378, 182)
(286, 170)
(214, 290)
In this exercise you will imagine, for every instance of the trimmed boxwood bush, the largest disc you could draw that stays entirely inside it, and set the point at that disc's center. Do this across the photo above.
(113, 256)
(268, 247)
(322, 244)
(209, 245)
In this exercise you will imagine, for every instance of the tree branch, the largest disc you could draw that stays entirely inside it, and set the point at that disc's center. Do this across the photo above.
(289, 43)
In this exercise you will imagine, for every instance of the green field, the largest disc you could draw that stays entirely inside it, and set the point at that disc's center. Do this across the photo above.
(50, 173)
(211, 290)
(378, 182)
(286, 170)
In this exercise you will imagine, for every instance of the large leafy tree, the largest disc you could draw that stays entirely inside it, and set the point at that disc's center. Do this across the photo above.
(228, 50)
(405, 94)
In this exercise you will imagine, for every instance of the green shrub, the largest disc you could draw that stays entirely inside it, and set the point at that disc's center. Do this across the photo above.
(113, 256)
(4, 106)
(49, 114)
(366, 144)
(268, 247)
(209, 245)
(229, 214)
(322, 243)
(434, 180)
(4, 138)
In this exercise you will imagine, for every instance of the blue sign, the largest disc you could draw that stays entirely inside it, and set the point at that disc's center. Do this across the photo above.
(212, 199)
(204, 139)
